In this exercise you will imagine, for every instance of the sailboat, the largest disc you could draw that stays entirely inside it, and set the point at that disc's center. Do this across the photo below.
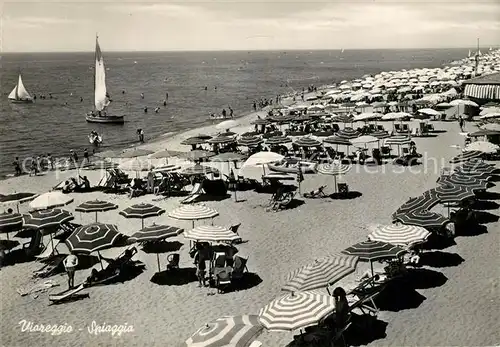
(469, 54)
(101, 96)
(19, 94)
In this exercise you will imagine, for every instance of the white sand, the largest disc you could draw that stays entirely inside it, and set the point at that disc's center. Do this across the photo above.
(462, 312)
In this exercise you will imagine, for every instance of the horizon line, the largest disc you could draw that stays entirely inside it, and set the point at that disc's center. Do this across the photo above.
(250, 50)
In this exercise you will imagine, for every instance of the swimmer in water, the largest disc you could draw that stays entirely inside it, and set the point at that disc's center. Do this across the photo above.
(142, 95)
(157, 109)
(146, 109)
(164, 102)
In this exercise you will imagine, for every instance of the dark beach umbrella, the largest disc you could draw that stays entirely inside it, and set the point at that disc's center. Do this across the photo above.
(477, 166)
(227, 134)
(399, 140)
(278, 140)
(465, 156)
(155, 233)
(199, 170)
(281, 119)
(422, 218)
(196, 155)
(348, 133)
(452, 193)
(380, 134)
(10, 222)
(260, 121)
(17, 198)
(424, 202)
(221, 140)
(307, 142)
(95, 206)
(462, 180)
(228, 157)
(373, 250)
(46, 218)
(336, 140)
(473, 174)
(142, 211)
(194, 141)
(250, 141)
(204, 136)
(92, 237)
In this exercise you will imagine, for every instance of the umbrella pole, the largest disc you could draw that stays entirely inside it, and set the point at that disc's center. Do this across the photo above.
(142, 219)
(335, 182)
(96, 216)
(100, 259)
(158, 260)
(52, 242)
(371, 266)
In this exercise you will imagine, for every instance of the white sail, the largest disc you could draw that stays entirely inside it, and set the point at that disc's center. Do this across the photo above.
(469, 54)
(101, 99)
(479, 53)
(19, 92)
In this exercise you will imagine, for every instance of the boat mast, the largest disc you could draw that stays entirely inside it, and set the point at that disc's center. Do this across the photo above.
(95, 59)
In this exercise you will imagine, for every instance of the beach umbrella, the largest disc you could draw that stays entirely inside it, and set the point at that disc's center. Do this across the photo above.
(196, 155)
(333, 170)
(262, 158)
(482, 146)
(380, 134)
(193, 212)
(280, 176)
(343, 119)
(167, 168)
(165, 154)
(17, 199)
(491, 126)
(307, 141)
(134, 153)
(93, 238)
(462, 180)
(422, 218)
(396, 116)
(320, 273)
(296, 310)
(399, 234)
(250, 141)
(489, 110)
(479, 175)
(277, 140)
(192, 141)
(373, 250)
(221, 140)
(348, 133)
(228, 157)
(478, 166)
(142, 210)
(458, 102)
(50, 200)
(155, 233)
(227, 134)
(366, 116)
(424, 202)
(10, 222)
(42, 219)
(260, 121)
(236, 331)
(363, 140)
(199, 170)
(211, 233)
(95, 206)
(227, 124)
(464, 156)
(450, 193)
(398, 140)
(429, 112)
(336, 140)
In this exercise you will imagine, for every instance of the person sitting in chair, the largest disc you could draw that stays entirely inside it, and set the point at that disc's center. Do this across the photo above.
(135, 188)
(85, 185)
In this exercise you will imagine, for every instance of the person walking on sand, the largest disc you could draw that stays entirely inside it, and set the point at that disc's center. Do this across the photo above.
(86, 159)
(461, 123)
(70, 264)
(17, 167)
(231, 112)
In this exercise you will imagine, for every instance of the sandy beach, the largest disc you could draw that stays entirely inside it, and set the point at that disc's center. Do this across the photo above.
(461, 310)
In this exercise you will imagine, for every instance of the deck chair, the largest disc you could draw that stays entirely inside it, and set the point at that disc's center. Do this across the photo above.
(51, 268)
(239, 268)
(343, 189)
(113, 270)
(365, 293)
(282, 198)
(173, 261)
(34, 246)
(219, 260)
(60, 185)
(398, 128)
(195, 193)
(405, 128)
(380, 128)
(319, 193)
(49, 250)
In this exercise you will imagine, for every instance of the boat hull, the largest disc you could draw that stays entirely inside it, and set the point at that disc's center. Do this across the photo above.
(106, 119)
(20, 101)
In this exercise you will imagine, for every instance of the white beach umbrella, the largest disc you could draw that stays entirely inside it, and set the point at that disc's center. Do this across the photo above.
(227, 124)
(395, 115)
(367, 116)
(489, 110)
(211, 233)
(429, 112)
(399, 234)
(193, 212)
(482, 146)
(458, 102)
(364, 140)
(50, 200)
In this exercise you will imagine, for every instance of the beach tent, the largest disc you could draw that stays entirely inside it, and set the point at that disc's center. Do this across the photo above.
(484, 88)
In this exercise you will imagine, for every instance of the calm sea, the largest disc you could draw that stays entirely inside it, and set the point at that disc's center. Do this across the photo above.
(57, 125)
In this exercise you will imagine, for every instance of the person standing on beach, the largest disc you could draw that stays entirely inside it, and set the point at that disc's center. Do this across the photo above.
(86, 159)
(70, 264)
(17, 167)
(254, 106)
(74, 156)
(231, 112)
(166, 96)
(224, 113)
(50, 161)
(461, 123)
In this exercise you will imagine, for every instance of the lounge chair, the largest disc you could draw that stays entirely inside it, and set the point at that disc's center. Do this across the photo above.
(282, 197)
(34, 246)
(343, 189)
(113, 270)
(319, 193)
(239, 267)
(60, 185)
(68, 293)
(50, 250)
(173, 261)
(363, 296)
(195, 193)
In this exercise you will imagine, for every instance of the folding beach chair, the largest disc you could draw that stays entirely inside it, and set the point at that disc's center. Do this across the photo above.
(195, 193)
(319, 193)
(173, 261)
(239, 268)
(50, 250)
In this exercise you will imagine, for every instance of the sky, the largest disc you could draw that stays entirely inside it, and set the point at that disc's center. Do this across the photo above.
(46, 26)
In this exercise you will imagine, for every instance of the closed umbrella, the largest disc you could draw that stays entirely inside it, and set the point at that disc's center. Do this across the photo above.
(307, 141)
(211, 233)
(236, 331)
(464, 156)
(296, 310)
(142, 211)
(422, 218)
(50, 200)
(193, 212)
(333, 170)
(155, 233)
(373, 250)
(399, 234)
(321, 273)
(95, 206)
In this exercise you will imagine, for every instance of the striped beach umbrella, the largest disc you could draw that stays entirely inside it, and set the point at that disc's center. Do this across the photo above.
(250, 141)
(348, 133)
(424, 202)
(211, 233)
(373, 250)
(450, 193)
(278, 140)
(237, 331)
(398, 140)
(95, 206)
(193, 212)
(221, 140)
(321, 273)
(380, 134)
(422, 218)
(399, 234)
(336, 140)
(142, 210)
(482, 146)
(307, 141)
(10, 222)
(343, 119)
(192, 141)
(333, 170)
(199, 170)
(46, 218)
(465, 156)
(296, 310)
(50, 200)
(92, 237)
(166, 168)
(478, 166)
(16, 199)
(473, 174)
(463, 180)
(155, 233)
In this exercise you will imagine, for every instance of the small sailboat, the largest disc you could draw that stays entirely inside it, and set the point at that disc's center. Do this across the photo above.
(469, 55)
(101, 96)
(19, 94)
